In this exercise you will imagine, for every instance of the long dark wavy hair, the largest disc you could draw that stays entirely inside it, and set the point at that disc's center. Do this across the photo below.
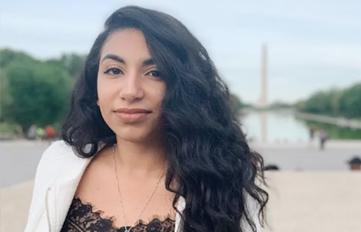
(215, 170)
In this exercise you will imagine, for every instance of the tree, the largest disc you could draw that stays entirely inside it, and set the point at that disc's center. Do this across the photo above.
(8, 56)
(324, 102)
(351, 101)
(72, 63)
(334, 102)
(38, 93)
(3, 95)
(236, 103)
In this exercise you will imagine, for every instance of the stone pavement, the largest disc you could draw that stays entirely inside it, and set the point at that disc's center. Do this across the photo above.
(314, 201)
(14, 202)
(302, 198)
(19, 158)
(299, 202)
(308, 157)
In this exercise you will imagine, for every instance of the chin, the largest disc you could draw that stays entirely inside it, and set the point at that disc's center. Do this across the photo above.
(136, 133)
(132, 139)
(133, 136)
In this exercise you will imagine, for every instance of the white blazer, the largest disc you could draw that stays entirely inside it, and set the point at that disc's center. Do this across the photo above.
(57, 177)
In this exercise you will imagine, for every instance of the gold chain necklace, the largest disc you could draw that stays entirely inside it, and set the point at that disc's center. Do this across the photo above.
(120, 196)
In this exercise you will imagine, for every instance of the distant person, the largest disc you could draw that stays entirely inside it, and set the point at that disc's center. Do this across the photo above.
(151, 140)
(271, 167)
(355, 163)
(50, 132)
(31, 133)
(40, 133)
(323, 137)
(312, 133)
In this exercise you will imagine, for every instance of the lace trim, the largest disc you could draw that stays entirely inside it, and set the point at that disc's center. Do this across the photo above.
(94, 220)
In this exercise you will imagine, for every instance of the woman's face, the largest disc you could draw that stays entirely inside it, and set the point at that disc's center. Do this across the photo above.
(130, 89)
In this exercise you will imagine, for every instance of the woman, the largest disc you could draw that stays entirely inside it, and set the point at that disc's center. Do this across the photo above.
(150, 142)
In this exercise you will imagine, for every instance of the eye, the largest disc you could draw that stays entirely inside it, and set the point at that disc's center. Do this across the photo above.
(154, 73)
(113, 71)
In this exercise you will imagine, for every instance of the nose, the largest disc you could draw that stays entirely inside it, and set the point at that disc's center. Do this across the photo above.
(132, 88)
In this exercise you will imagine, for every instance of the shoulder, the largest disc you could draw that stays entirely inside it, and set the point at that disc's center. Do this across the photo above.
(58, 163)
(53, 158)
(58, 157)
(57, 150)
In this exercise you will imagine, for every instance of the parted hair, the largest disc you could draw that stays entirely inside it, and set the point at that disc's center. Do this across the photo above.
(208, 154)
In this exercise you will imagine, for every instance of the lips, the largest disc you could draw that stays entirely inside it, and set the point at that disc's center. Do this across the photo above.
(132, 111)
(132, 115)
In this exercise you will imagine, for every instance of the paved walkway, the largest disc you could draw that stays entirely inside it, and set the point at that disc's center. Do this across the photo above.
(18, 159)
(314, 202)
(299, 202)
(308, 156)
(15, 202)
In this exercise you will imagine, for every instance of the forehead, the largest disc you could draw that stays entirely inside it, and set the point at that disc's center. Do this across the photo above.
(128, 43)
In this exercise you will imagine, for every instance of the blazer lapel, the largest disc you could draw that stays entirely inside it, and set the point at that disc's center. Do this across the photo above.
(62, 192)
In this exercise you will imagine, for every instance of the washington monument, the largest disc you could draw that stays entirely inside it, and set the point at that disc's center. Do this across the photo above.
(263, 101)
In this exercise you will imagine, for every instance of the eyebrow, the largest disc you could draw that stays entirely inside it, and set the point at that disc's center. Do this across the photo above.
(119, 59)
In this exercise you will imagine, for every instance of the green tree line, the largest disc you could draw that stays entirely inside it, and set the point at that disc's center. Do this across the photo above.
(34, 91)
(334, 102)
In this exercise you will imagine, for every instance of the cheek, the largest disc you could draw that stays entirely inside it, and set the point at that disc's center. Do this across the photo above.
(157, 100)
(104, 91)
(158, 93)
(162, 96)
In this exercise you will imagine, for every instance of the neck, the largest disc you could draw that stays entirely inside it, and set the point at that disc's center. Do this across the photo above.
(141, 159)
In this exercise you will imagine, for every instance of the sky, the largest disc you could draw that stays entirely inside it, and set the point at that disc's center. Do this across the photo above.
(312, 44)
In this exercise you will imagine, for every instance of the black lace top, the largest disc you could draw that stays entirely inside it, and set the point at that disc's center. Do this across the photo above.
(81, 218)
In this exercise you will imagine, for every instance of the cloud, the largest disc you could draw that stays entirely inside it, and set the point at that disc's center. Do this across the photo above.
(309, 41)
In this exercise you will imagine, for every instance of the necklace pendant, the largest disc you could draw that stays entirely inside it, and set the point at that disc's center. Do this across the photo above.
(127, 229)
